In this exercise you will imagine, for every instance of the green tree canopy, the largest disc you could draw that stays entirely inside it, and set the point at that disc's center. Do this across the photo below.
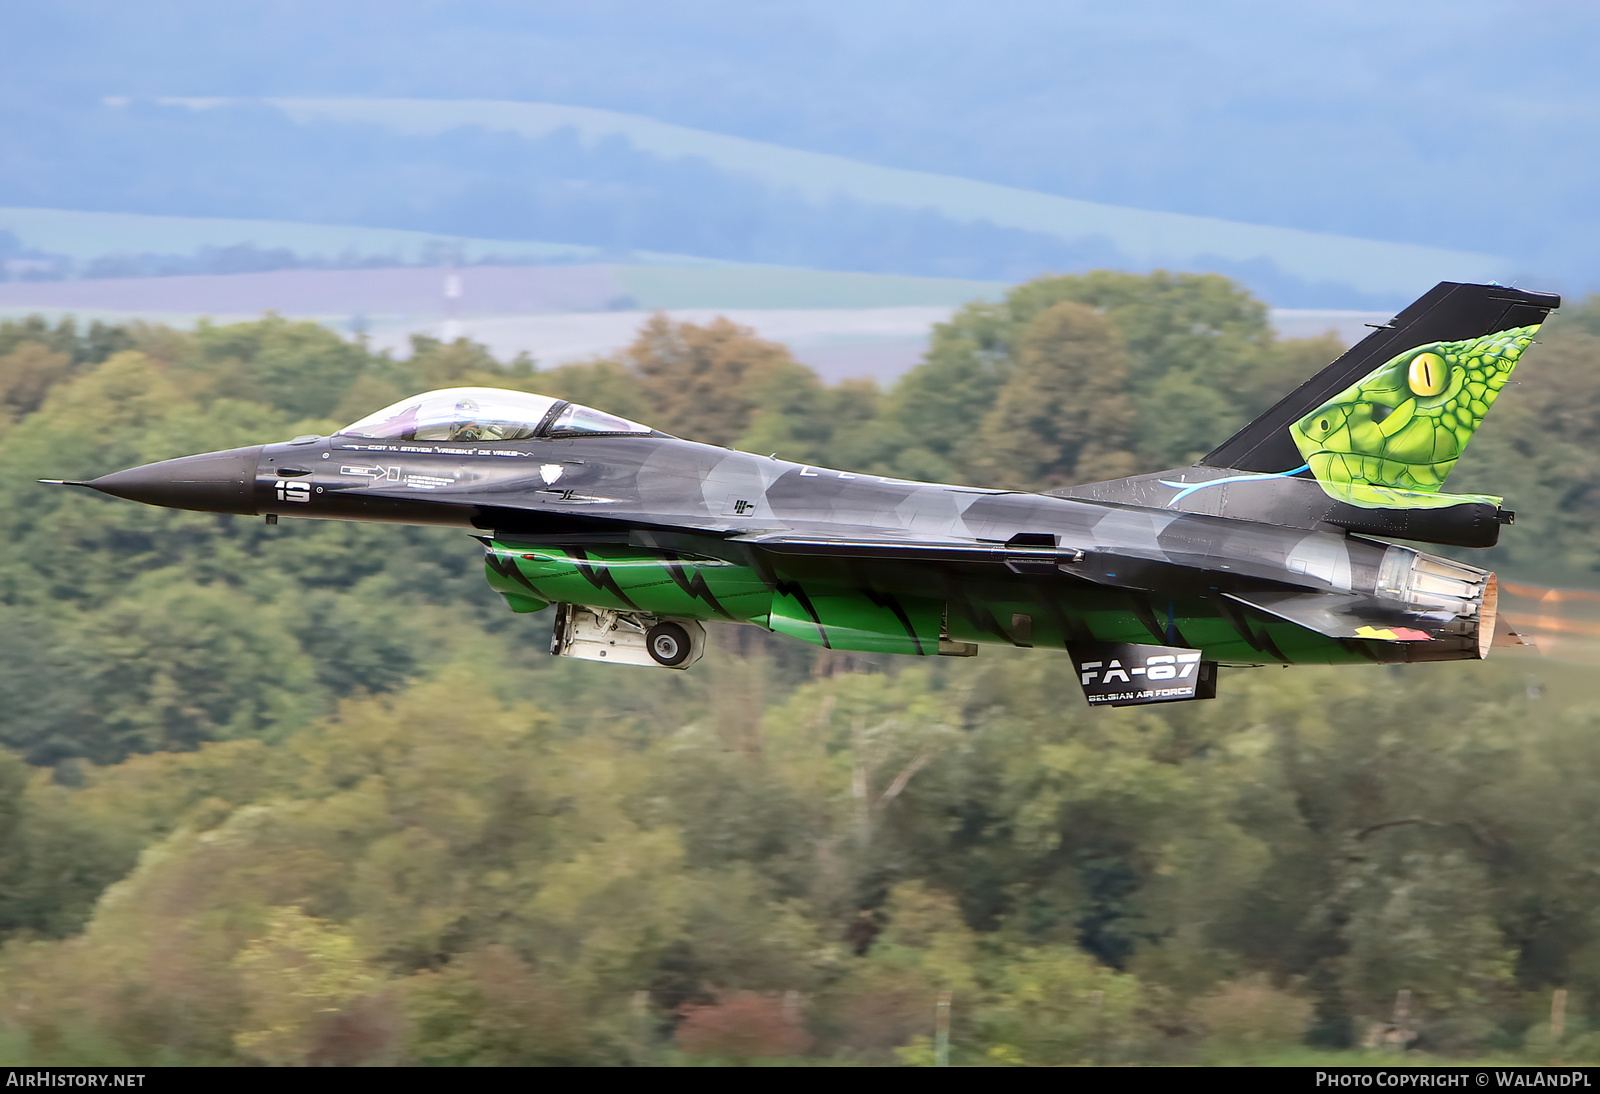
(1063, 415)
(308, 794)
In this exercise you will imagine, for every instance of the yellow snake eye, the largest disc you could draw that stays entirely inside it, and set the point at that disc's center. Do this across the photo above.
(1428, 374)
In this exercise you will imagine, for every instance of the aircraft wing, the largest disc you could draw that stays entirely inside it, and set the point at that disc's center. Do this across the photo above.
(1036, 555)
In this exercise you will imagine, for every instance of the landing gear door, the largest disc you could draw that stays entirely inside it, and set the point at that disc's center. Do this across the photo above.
(1124, 675)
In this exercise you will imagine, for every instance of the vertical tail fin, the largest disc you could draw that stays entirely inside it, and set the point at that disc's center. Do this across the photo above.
(1366, 443)
(1395, 412)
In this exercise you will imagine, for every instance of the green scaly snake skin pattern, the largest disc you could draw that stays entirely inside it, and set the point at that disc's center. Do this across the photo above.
(1390, 440)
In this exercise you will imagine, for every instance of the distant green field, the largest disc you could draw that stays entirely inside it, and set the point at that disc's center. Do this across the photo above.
(651, 279)
(787, 287)
(85, 235)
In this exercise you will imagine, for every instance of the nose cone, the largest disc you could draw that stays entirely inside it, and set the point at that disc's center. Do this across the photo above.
(216, 482)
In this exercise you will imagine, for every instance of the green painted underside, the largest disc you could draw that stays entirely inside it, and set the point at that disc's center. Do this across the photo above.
(839, 613)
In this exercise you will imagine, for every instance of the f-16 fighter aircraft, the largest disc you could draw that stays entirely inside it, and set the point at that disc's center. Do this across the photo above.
(1259, 553)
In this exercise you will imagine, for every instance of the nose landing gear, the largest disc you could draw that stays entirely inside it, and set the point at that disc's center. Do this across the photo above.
(632, 638)
(669, 644)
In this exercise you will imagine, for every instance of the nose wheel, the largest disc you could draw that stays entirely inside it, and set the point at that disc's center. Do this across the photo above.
(626, 638)
(668, 644)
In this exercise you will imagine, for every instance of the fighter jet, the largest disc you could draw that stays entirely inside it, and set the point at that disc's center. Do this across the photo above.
(1266, 551)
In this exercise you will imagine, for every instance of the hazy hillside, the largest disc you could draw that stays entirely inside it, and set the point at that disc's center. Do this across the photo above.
(623, 184)
(1411, 126)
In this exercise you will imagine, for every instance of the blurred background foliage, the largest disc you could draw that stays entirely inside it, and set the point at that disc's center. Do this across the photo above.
(309, 794)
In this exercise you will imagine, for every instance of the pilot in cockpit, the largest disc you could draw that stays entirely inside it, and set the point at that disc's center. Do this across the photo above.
(467, 425)
(485, 414)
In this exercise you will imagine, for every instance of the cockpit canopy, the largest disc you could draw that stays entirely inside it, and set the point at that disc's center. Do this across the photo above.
(485, 414)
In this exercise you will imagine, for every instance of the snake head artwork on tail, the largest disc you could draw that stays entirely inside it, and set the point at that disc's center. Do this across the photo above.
(1271, 549)
(1400, 430)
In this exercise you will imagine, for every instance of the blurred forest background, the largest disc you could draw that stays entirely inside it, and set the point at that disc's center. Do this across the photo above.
(310, 794)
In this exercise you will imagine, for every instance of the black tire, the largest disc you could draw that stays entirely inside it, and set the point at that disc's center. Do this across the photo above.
(668, 644)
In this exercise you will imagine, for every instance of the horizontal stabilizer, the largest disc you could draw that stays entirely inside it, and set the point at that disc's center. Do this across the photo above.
(1336, 616)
